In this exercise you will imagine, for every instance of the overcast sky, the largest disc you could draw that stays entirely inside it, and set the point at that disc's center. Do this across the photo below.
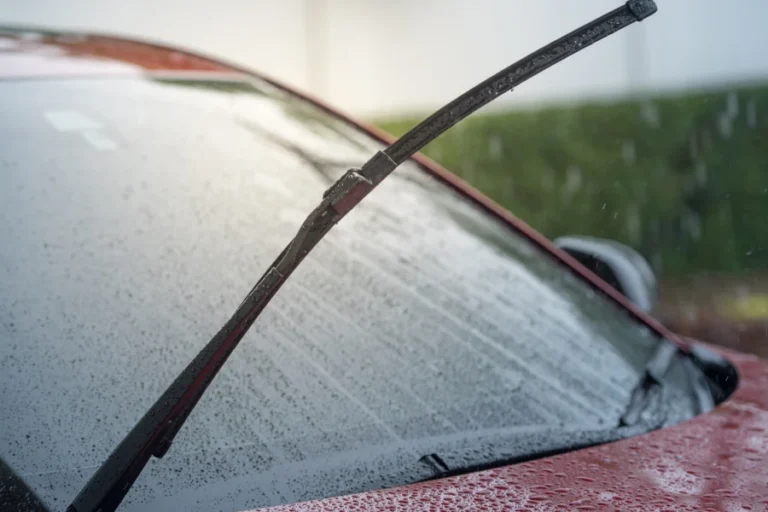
(385, 56)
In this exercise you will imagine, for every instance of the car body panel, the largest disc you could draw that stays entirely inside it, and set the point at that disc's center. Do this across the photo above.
(716, 461)
(26, 54)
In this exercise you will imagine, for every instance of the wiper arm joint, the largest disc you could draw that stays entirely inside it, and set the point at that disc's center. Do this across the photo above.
(649, 386)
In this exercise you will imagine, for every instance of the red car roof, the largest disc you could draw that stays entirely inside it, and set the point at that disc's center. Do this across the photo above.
(715, 461)
(30, 53)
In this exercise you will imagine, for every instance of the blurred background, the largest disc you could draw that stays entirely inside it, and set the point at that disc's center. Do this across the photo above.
(657, 137)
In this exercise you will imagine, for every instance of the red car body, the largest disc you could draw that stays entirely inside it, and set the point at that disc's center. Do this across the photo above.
(715, 461)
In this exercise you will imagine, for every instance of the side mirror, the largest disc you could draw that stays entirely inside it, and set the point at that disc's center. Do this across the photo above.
(618, 265)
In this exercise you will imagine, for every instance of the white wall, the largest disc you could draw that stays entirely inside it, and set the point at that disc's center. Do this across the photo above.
(384, 56)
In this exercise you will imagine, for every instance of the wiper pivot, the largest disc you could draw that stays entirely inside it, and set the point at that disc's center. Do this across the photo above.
(649, 387)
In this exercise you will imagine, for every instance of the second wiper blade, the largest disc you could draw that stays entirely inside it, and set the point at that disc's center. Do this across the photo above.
(494, 453)
(154, 433)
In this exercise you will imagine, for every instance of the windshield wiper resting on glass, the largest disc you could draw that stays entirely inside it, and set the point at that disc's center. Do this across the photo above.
(154, 433)
(517, 447)
(644, 412)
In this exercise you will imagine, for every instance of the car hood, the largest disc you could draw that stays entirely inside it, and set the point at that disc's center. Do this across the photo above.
(715, 461)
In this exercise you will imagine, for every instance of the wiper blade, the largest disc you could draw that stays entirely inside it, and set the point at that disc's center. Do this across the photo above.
(644, 413)
(154, 433)
(513, 448)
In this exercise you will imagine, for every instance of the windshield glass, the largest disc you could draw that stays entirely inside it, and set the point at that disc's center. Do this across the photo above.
(136, 214)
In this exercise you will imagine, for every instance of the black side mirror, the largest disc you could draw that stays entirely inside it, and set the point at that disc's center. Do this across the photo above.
(618, 265)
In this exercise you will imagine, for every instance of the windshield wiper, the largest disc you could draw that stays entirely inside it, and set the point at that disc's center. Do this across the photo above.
(513, 448)
(643, 413)
(154, 432)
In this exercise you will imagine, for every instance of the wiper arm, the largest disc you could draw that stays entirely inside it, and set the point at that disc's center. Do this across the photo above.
(649, 387)
(154, 433)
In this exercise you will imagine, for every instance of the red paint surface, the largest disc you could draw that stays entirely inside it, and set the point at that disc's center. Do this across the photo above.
(33, 55)
(715, 461)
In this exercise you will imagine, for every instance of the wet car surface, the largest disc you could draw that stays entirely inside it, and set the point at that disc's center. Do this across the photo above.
(417, 321)
(715, 461)
(420, 323)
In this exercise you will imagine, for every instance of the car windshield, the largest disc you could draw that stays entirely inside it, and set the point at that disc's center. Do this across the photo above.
(137, 212)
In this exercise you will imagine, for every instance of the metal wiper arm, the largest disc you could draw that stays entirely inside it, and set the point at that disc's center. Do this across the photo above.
(650, 383)
(153, 434)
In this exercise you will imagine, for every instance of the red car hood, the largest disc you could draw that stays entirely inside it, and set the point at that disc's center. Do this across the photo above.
(716, 461)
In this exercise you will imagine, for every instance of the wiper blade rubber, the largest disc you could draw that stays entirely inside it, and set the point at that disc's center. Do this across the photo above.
(476, 458)
(154, 432)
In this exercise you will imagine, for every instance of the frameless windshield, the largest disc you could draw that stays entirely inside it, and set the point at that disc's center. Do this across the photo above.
(135, 215)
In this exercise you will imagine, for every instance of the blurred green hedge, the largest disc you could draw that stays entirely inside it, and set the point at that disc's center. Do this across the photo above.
(683, 179)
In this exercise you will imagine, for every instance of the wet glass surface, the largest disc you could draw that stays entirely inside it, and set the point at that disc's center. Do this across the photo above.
(136, 214)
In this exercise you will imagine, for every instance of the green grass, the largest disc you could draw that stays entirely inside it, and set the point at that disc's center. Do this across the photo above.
(749, 308)
(683, 179)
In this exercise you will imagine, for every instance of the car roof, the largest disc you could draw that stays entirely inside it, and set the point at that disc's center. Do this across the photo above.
(27, 52)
